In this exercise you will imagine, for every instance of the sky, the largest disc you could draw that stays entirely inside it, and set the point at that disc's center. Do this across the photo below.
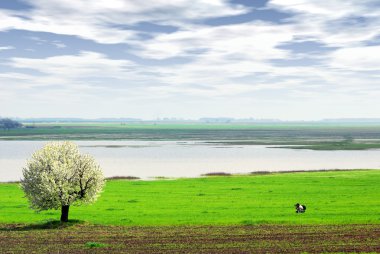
(278, 59)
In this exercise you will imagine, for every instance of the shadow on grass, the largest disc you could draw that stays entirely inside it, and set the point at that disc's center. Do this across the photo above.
(51, 224)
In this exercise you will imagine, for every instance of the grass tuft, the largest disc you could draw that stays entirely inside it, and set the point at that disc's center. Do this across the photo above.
(95, 245)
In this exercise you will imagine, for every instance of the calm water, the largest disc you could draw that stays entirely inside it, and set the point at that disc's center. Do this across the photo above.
(188, 159)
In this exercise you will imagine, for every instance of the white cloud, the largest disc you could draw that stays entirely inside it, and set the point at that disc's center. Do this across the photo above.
(356, 59)
(328, 9)
(106, 21)
(6, 48)
(59, 45)
(336, 23)
(86, 74)
(254, 40)
(86, 64)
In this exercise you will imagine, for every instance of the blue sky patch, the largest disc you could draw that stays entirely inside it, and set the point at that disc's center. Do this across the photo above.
(306, 47)
(254, 15)
(14, 5)
(251, 3)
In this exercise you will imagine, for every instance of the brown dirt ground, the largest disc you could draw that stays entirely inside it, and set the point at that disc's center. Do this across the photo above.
(17, 238)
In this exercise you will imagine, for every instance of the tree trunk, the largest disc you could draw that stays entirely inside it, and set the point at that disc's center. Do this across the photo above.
(65, 213)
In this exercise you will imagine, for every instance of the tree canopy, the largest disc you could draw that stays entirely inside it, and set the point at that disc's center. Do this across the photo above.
(58, 176)
(7, 123)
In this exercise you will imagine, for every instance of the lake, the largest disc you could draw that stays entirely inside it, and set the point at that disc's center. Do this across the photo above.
(148, 159)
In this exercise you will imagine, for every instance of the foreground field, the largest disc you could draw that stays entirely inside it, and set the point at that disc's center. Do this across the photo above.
(230, 214)
(333, 197)
(189, 239)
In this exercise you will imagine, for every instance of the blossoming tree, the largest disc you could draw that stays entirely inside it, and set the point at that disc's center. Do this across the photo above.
(58, 176)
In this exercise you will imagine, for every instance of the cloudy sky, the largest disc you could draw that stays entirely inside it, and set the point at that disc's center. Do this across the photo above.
(286, 59)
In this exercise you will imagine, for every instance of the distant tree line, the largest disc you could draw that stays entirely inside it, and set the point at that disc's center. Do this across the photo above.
(6, 124)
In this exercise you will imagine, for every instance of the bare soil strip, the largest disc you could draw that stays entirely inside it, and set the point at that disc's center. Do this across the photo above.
(189, 239)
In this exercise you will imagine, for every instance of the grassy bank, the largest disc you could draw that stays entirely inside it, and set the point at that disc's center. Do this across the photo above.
(334, 197)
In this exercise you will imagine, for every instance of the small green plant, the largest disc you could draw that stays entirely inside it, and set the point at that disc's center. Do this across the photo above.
(247, 222)
(95, 245)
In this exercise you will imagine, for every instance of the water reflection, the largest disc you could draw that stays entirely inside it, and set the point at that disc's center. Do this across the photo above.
(189, 159)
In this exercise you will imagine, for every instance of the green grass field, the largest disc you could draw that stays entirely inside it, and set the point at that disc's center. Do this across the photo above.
(333, 197)
(222, 214)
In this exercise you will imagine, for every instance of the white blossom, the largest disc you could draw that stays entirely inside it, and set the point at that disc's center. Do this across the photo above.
(58, 175)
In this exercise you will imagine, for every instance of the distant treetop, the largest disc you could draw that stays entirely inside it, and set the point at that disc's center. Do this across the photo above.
(7, 123)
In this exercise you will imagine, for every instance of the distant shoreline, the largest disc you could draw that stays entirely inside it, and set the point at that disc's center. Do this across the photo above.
(312, 136)
(223, 174)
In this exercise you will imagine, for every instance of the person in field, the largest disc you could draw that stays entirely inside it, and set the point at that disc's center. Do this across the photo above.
(300, 208)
